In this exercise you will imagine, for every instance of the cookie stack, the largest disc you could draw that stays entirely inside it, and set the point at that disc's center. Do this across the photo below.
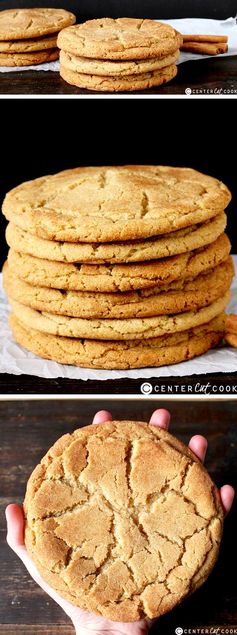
(118, 267)
(29, 36)
(125, 54)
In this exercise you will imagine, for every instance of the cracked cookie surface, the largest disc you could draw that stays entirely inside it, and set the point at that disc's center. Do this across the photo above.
(115, 277)
(177, 297)
(116, 69)
(120, 39)
(122, 520)
(30, 23)
(117, 329)
(178, 242)
(115, 203)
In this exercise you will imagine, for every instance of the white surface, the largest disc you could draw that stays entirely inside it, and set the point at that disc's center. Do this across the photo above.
(17, 360)
(47, 66)
(199, 26)
(186, 25)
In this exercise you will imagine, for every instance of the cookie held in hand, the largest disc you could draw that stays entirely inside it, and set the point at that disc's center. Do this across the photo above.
(122, 520)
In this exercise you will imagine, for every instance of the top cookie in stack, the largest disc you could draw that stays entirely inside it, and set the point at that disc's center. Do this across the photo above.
(29, 36)
(125, 54)
(118, 267)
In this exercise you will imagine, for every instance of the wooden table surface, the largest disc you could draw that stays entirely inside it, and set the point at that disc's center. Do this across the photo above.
(29, 428)
(212, 383)
(210, 75)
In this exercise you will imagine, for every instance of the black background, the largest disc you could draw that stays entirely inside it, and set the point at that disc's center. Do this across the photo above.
(164, 9)
(45, 136)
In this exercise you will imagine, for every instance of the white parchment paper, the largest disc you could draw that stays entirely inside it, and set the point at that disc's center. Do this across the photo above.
(185, 26)
(198, 26)
(47, 66)
(17, 361)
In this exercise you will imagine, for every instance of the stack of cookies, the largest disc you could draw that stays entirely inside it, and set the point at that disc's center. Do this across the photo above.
(120, 267)
(29, 36)
(119, 55)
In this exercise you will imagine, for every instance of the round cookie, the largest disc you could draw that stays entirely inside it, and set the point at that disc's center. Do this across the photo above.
(115, 69)
(28, 59)
(161, 351)
(109, 84)
(18, 24)
(27, 46)
(112, 278)
(120, 39)
(114, 538)
(171, 244)
(116, 203)
(177, 297)
(117, 329)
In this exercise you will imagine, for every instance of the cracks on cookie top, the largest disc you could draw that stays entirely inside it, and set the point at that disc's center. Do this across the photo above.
(134, 515)
(145, 208)
(103, 179)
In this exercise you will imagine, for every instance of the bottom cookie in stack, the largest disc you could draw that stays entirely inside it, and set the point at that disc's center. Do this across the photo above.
(29, 58)
(115, 355)
(109, 76)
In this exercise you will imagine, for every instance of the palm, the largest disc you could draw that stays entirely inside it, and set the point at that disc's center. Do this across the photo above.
(92, 623)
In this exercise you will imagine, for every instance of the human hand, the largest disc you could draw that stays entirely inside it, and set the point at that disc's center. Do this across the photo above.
(83, 621)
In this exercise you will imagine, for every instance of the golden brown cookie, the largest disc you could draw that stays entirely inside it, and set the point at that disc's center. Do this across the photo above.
(181, 241)
(116, 203)
(122, 520)
(112, 278)
(28, 59)
(110, 84)
(177, 297)
(116, 69)
(110, 355)
(120, 39)
(27, 46)
(117, 329)
(21, 24)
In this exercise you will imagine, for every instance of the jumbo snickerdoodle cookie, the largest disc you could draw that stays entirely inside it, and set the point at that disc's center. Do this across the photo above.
(27, 46)
(110, 355)
(177, 297)
(115, 84)
(20, 24)
(181, 241)
(121, 39)
(116, 203)
(116, 69)
(112, 278)
(28, 59)
(117, 329)
(122, 520)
